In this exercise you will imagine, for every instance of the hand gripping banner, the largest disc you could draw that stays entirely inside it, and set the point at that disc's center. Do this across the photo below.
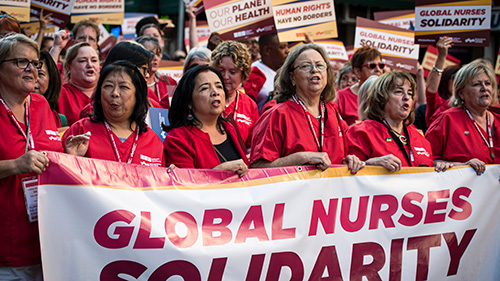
(102, 220)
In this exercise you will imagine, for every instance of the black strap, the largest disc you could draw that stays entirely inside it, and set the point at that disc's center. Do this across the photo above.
(399, 142)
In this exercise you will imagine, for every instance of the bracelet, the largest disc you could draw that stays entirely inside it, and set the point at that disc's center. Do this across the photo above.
(438, 71)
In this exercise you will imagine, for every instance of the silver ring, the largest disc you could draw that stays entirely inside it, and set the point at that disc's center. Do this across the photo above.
(445, 43)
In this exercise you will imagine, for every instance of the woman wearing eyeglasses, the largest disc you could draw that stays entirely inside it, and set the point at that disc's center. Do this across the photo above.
(388, 138)
(365, 62)
(305, 126)
(28, 129)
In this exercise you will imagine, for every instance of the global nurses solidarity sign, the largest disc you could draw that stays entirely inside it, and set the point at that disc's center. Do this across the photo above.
(466, 22)
(396, 44)
(102, 220)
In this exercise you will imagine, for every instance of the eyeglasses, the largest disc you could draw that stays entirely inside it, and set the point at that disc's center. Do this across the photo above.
(373, 65)
(307, 67)
(24, 63)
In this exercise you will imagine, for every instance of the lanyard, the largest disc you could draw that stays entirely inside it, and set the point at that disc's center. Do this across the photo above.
(117, 153)
(319, 142)
(488, 131)
(236, 101)
(157, 88)
(30, 144)
(410, 158)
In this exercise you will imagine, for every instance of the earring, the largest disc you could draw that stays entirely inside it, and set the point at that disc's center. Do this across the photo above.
(190, 116)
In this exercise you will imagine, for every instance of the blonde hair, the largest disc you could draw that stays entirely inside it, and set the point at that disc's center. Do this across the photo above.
(466, 74)
(238, 52)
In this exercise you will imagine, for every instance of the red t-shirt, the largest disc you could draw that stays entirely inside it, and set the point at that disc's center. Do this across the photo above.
(284, 130)
(246, 115)
(149, 151)
(190, 147)
(454, 137)
(19, 238)
(370, 139)
(348, 105)
(434, 101)
(71, 102)
(160, 93)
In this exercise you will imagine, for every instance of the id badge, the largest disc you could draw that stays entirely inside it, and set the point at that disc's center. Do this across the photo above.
(30, 188)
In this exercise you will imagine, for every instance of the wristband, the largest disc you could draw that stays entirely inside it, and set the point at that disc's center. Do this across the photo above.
(438, 71)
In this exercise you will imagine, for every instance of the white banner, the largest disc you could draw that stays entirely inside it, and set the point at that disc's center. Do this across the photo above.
(102, 220)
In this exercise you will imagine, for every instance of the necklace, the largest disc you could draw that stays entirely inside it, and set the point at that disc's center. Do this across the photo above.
(400, 136)
(152, 84)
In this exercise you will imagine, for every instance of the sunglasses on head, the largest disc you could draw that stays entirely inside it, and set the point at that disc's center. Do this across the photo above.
(373, 65)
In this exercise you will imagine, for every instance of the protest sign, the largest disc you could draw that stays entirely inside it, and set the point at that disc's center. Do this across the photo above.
(497, 67)
(235, 20)
(290, 223)
(430, 58)
(156, 118)
(59, 10)
(172, 69)
(466, 22)
(101, 11)
(197, 4)
(334, 49)
(130, 21)
(395, 44)
(403, 19)
(295, 18)
(19, 9)
(202, 30)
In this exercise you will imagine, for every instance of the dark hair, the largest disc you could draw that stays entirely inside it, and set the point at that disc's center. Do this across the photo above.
(267, 39)
(130, 51)
(444, 90)
(141, 92)
(363, 54)
(54, 89)
(183, 99)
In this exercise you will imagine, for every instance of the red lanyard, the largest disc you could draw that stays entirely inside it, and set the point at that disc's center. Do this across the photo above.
(117, 153)
(236, 101)
(319, 142)
(488, 131)
(30, 144)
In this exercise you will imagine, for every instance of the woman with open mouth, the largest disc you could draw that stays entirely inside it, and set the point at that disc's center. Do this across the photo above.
(117, 130)
(388, 138)
(82, 69)
(198, 135)
(467, 133)
(305, 127)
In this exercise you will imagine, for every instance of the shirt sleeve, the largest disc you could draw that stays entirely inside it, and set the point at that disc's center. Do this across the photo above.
(178, 151)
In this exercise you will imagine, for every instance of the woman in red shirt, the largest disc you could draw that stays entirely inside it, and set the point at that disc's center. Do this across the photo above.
(198, 135)
(388, 138)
